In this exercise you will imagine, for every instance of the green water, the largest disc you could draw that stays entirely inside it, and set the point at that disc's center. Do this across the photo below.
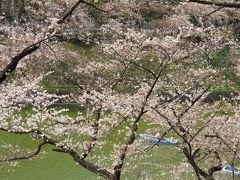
(51, 166)
(59, 166)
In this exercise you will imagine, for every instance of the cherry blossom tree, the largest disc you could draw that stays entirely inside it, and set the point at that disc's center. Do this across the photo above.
(154, 67)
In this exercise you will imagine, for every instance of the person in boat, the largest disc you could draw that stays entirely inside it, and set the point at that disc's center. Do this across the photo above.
(157, 135)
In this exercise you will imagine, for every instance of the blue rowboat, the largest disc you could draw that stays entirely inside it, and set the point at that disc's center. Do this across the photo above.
(229, 169)
(155, 140)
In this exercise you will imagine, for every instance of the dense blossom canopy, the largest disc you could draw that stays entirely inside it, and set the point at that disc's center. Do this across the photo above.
(173, 65)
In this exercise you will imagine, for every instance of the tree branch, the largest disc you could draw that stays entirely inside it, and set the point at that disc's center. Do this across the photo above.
(15, 60)
(92, 144)
(32, 48)
(222, 4)
(61, 148)
(117, 168)
(26, 157)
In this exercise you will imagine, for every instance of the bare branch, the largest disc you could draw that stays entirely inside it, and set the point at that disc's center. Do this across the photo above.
(208, 14)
